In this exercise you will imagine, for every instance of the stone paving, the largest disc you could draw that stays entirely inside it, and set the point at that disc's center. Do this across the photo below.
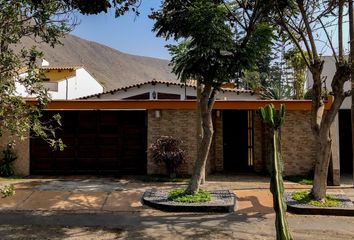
(73, 212)
(124, 195)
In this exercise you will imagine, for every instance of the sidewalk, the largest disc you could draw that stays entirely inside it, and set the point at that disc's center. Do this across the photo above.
(124, 195)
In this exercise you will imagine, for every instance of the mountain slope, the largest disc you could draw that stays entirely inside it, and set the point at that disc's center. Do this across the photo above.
(110, 67)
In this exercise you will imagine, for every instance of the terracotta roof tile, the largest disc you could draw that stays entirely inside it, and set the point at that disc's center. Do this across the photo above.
(63, 67)
(192, 84)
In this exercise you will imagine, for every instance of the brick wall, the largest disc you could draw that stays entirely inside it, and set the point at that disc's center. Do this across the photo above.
(298, 146)
(176, 123)
(298, 143)
(182, 124)
(258, 134)
(22, 164)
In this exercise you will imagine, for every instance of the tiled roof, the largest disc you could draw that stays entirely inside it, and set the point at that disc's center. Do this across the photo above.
(63, 67)
(192, 84)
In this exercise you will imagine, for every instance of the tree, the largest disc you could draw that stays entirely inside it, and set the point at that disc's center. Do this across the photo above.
(214, 49)
(276, 90)
(298, 65)
(21, 19)
(304, 21)
(45, 21)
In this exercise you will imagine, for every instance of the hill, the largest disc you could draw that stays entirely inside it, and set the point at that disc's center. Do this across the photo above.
(112, 68)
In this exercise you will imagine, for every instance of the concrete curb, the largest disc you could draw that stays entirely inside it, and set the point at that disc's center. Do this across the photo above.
(347, 209)
(320, 211)
(222, 201)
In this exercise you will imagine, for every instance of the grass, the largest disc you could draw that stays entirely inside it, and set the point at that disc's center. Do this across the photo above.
(304, 197)
(179, 195)
(300, 179)
(163, 178)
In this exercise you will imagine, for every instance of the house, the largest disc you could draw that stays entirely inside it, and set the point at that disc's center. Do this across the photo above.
(109, 133)
(342, 123)
(65, 82)
(157, 89)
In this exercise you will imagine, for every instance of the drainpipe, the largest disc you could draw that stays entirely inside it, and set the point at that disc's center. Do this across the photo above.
(67, 89)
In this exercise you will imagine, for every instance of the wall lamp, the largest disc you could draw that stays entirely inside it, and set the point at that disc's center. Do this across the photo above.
(157, 114)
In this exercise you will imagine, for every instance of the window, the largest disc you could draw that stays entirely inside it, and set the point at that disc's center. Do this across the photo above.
(51, 86)
(250, 138)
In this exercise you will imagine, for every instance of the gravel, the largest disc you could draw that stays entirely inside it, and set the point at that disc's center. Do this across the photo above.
(221, 201)
(346, 203)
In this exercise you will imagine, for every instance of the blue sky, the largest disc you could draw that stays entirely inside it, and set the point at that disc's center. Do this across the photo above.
(131, 34)
(128, 34)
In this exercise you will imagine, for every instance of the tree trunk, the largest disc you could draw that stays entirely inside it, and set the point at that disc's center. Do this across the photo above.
(207, 100)
(199, 125)
(321, 167)
(320, 176)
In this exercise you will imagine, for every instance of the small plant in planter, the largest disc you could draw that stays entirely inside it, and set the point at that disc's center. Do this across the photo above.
(166, 149)
(8, 156)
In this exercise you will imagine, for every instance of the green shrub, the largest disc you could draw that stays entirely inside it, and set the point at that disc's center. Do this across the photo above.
(7, 190)
(180, 195)
(8, 156)
(305, 197)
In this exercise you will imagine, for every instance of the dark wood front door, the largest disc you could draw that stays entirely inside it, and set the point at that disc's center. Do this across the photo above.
(235, 130)
(345, 141)
(98, 142)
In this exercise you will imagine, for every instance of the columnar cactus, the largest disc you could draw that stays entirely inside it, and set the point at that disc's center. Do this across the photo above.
(273, 119)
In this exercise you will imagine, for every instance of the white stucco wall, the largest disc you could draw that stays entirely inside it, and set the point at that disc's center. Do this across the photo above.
(171, 89)
(82, 84)
(328, 72)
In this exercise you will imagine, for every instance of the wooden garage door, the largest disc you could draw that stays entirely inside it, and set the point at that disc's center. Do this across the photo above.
(98, 142)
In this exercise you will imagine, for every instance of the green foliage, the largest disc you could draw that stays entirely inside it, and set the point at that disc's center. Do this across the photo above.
(206, 55)
(166, 149)
(19, 20)
(8, 156)
(276, 91)
(298, 64)
(180, 195)
(213, 50)
(215, 46)
(304, 197)
(7, 191)
(45, 21)
(252, 80)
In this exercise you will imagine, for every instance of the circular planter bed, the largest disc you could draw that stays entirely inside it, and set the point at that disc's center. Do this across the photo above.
(221, 201)
(346, 208)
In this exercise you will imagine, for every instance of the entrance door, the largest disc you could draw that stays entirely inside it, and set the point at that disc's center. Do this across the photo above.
(345, 141)
(236, 141)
